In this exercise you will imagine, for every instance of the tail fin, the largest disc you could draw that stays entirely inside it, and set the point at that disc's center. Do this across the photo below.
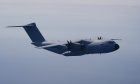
(33, 32)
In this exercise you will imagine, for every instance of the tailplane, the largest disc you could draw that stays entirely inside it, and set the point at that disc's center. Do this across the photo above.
(34, 34)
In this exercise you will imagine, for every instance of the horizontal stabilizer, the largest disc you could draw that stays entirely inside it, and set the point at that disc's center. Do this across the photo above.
(28, 25)
(15, 26)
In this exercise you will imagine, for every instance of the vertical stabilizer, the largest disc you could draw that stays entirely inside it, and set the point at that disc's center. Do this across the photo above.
(33, 32)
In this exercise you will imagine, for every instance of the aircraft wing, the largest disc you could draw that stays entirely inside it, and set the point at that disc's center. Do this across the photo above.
(56, 48)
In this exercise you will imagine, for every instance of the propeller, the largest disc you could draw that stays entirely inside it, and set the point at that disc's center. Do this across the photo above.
(69, 44)
(100, 38)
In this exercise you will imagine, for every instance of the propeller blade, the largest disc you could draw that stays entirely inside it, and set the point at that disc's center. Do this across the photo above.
(68, 42)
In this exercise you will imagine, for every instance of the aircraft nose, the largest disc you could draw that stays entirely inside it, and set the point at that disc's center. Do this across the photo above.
(117, 46)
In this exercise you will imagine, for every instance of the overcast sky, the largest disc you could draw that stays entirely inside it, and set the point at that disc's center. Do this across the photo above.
(22, 63)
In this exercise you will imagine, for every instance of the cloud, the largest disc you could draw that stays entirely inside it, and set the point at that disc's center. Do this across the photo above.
(96, 2)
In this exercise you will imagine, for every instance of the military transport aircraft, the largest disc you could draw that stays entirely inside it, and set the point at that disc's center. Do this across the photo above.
(77, 48)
